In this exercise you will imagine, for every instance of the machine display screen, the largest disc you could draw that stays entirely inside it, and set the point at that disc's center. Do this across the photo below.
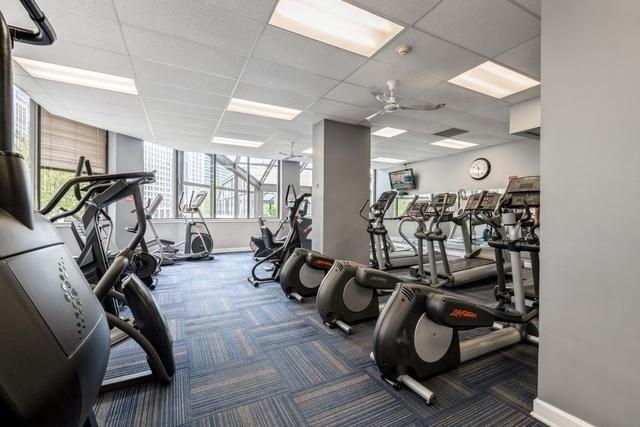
(402, 180)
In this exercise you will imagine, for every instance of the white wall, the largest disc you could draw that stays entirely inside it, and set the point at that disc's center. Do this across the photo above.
(590, 152)
(451, 173)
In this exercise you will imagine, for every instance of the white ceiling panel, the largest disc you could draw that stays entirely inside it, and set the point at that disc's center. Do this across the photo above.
(266, 73)
(296, 51)
(534, 6)
(191, 20)
(27, 83)
(430, 55)
(487, 140)
(253, 120)
(524, 58)
(186, 96)
(376, 73)
(242, 135)
(99, 8)
(478, 124)
(260, 132)
(259, 10)
(166, 128)
(355, 95)
(404, 11)
(73, 55)
(399, 121)
(161, 117)
(153, 72)
(341, 110)
(455, 97)
(524, 95)
(488, 27)
(273, 96)
(49, 103)
(72, 94)
(494, 110)
(182, 53)
(180, 109)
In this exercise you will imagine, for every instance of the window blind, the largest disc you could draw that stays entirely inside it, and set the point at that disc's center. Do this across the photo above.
(63, 141)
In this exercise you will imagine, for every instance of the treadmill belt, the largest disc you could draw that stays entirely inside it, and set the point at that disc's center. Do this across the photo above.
(455, 265)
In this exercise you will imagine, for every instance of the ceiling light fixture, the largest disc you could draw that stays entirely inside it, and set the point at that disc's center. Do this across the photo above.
(388, 132)
(494, 80)
(77, 76)
(261, 109)
(454, 143)
(337, 23)
(308, 151)
(388, 160)
(238, 142)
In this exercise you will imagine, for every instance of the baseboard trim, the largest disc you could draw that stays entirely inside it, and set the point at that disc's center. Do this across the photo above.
(228, 250)
(555, 417)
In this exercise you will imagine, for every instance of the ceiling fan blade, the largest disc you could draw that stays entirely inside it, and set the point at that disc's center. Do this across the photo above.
(379, 94)
(422, 107)
(373, 116)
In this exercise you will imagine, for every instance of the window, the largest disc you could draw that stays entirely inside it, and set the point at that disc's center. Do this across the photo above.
(401, 204)
(22, 124)
(62, 142)
(306, 174)
(159, 159)
(263, 179)
(196, 176)
(231, 187)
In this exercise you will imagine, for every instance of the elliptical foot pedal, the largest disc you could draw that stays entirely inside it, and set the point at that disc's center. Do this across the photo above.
(296, 296)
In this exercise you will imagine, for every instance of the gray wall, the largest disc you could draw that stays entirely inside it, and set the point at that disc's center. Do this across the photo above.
(126, 154)
(341, 160)
(451, 173)
(590, 152)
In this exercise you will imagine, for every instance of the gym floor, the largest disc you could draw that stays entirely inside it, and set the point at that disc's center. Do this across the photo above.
(251, 357)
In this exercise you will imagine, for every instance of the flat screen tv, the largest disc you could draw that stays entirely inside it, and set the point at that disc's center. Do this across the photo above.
(402, 180)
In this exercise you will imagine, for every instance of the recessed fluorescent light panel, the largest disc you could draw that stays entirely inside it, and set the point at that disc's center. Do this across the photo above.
(238, 142)
(77, 76)
(388, 160)
(388, 132)
(494, 80)
(260, 109)
(308, 151)
(337, 23)
(453, 143)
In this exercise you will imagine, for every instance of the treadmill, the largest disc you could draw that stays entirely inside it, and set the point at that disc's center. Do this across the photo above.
(475, 266)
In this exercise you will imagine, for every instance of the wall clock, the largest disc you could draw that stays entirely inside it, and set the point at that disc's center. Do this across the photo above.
(480, 168)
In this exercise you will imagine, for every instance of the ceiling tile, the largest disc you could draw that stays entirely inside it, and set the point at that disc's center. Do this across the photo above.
(181, 53)
(69, 94)
(168, 128)
(306, 54)
(376, 73)
(180, 109)
(478, 124)
(341, 110)
(154, 72)
(266, 73)
(186, 96)
(259, 10)
(27, 83)
(273, 96)
(495, 110)
(86, 29)
(98, 8)
(430, 55)
(191, 20)
(404, 11)
(253, 120)
(241, 135)
(455, 97)
(524, 58)
(524, 95)
(488, 27)
(73, 55)
(399, 121)
(534, 6)
(355, 95)
(162, 117)
(263, 133)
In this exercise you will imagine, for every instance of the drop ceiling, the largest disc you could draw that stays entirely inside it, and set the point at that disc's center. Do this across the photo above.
(189, 57)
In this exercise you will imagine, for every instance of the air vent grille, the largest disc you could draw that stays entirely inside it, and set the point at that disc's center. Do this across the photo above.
(451, 132)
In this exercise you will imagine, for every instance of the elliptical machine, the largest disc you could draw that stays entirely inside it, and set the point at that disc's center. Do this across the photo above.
(198, 240)
(266, 242)
(293, 240)
(416, 336)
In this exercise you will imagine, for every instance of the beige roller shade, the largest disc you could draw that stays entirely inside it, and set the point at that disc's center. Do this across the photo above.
(63, 141)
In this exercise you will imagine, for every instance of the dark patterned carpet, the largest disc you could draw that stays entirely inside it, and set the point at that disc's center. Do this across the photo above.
(251, 357)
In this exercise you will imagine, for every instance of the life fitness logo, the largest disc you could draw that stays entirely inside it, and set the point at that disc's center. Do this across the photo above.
(463, 314)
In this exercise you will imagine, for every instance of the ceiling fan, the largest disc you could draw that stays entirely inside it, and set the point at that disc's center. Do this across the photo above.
(389, 99)
(290, 155)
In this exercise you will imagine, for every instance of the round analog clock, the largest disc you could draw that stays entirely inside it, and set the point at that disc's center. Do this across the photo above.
(480, 168)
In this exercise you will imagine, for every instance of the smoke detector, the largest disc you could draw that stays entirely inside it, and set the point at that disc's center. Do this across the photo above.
(402, 50)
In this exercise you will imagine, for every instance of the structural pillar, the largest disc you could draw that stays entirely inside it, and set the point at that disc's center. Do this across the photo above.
(341, 162)
(289, 174)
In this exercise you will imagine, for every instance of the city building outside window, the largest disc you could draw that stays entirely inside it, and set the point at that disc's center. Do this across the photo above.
(160, 159)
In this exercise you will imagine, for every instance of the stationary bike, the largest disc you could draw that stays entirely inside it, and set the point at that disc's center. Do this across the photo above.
(416, 336)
